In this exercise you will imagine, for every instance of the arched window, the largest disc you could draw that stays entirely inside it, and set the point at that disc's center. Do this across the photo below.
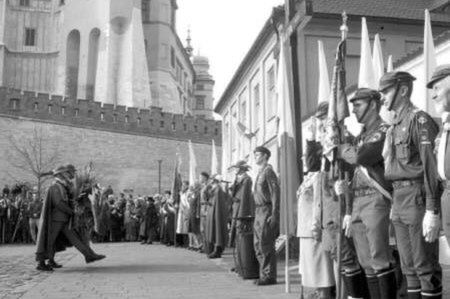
(72, 63)
(94, 38)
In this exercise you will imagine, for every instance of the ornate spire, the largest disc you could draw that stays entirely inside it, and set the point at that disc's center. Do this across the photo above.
(189, 49)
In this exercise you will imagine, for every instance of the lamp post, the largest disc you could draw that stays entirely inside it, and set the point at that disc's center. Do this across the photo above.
(159, 176)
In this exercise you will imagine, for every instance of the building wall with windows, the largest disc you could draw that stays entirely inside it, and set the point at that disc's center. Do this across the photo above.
(203, 88)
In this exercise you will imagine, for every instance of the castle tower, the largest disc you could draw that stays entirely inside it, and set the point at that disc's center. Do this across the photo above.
(103, 52)
(204, 87)
(189, 49)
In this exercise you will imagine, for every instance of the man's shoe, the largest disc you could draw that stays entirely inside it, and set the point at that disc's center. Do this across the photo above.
(44, 267)
(266, 282)
(143, 242)
(54, 265)
(95, 258)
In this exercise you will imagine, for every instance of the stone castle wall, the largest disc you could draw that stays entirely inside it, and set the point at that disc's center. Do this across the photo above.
(124, 144)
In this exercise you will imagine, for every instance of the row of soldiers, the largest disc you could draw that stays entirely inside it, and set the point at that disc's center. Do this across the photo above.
(397, 172)
(20, 209)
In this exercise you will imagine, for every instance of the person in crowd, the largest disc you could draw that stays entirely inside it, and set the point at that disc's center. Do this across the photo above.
(34, 212)
(216, 219)
(55, 219)
(3, 218)
(183, 213)
(130, 221)
(204, 207)
(116, 221)
(243, 212)
(150, 221)
(168, 212)
(195, 237)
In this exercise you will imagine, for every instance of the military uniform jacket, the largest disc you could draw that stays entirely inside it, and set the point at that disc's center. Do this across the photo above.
(267, 191)
(367, 152)
(409, 152)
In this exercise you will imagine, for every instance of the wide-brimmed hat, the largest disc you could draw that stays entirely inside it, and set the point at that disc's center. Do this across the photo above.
(241, 164)
(440, 73)
(64, 169)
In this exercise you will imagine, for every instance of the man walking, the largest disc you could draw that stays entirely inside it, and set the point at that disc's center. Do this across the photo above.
(411, 165)
(34, 212)
(267, 217)
(55, 219)
(368, 213)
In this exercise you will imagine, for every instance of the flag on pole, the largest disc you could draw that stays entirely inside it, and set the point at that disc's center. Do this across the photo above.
(192, 165)
(429, 56)
(289, 177)
(378, 62)
(214, 161)
(390, 64)
(324, 80)
(366, 72)
(176, 185)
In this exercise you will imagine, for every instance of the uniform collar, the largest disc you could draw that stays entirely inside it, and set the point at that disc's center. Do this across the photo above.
(403, 113)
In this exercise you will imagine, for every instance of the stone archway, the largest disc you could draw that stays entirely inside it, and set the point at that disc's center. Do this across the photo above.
(94, 38)
(72, 64)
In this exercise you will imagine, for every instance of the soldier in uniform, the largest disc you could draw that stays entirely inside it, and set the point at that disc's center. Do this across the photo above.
(267, 217)
(204, 206)
(367, 213)
(440, 83)
(411, 166)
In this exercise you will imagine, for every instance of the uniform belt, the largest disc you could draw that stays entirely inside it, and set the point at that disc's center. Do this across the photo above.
(263, 205)
(406, 183)
(364, 192)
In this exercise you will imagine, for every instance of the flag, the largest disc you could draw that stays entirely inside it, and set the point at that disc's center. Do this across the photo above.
(176, 185)
(366, 72)
(214, 161)
(324, 80)
(390, 64)
(429, 56)
(378, 62)
(289, 176)
(338, 108)
(192, 165)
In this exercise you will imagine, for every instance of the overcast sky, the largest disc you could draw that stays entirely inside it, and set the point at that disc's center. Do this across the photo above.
(223, 31)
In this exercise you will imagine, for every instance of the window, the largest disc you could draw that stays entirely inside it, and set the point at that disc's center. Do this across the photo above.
(200, 102)
(256, 103)
(14, 104)
(62, 2)
(216, 131)
(127, 118)
(161, 124)
(30, 37)
(243, 108)
(151, 122)
(145, 10)
(184, 127)
(172, 57)
(115, 118)
(206, 130)
(24, 2)
(77, 111)
(102, 116)
(200, 87)
(195, 128)
(271, 98)
(50, 108)
(138, 120)
(173, 126)
(36, 105)
(63, 110)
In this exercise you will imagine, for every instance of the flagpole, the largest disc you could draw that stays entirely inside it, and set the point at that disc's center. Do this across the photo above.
(339, 294)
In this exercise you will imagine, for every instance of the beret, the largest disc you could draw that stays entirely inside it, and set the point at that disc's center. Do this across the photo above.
(392, 78)
(440, 73)
(366, 93)
(262, 149)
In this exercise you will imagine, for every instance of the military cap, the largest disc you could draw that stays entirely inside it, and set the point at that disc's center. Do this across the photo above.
(262, 149)
(64, 169)
(440, 73)
(366, 94)
(392, 78)
(322, 110)
(242, 164)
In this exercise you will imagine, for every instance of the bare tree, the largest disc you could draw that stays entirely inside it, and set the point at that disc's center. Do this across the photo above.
(33, 155)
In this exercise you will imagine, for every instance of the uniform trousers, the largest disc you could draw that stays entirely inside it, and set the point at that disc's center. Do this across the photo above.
(419, 259)
(63, 227)
(34, 226)
(265, 235)
(370, 231)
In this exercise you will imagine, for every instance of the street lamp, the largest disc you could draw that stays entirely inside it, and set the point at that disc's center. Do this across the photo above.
(159, 176)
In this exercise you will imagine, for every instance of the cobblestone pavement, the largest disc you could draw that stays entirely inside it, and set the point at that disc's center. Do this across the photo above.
(132, 270)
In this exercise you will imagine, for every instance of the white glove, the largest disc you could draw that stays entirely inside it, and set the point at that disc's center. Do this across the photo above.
(346, 225)
(340, 187)
(431, 225)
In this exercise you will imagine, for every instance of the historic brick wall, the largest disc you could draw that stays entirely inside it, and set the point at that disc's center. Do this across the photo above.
(124, 150)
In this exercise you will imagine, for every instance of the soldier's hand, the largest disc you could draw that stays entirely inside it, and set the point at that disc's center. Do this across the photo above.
(431, 225)
(346, 225)
(340, 187)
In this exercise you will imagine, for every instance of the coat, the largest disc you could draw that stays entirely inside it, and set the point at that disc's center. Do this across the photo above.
(216, 218)
(183, 214)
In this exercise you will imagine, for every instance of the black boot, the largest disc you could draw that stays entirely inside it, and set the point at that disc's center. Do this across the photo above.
(43, 267)
(374, 287)
(414, 293)
(388, 284)
(54, 264)
(356, 284)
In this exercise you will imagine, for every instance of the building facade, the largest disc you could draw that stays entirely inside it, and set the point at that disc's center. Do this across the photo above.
(114, 51)
(248, 105)
(204, 88)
